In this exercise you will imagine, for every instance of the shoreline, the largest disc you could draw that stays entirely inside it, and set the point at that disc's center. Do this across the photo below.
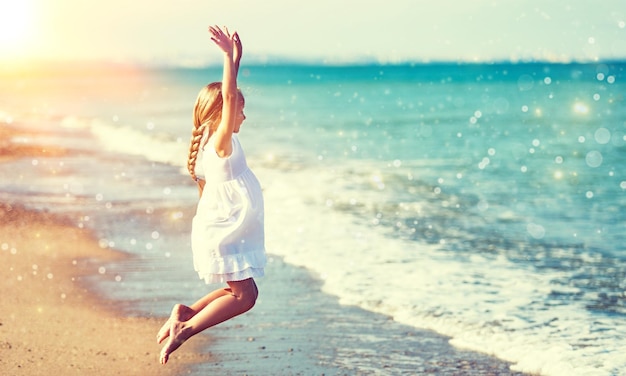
(297, 329)
(51, 323)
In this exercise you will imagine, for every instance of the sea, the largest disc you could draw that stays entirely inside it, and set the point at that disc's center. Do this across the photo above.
(483, 201)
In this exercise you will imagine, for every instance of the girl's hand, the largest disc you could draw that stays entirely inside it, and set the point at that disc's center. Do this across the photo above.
(238, 52)
(224, 40)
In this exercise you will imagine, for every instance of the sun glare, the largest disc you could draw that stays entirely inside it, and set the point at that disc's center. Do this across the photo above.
(15, 25)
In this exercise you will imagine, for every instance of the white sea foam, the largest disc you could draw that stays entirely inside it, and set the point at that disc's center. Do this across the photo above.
(127, 140)
(486, 304)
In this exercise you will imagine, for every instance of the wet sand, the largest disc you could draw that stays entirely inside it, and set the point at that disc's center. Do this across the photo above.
(50, 323)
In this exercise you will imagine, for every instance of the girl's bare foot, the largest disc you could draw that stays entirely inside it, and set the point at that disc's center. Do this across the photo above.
(164, 332)
(185, 313)
(176, 332)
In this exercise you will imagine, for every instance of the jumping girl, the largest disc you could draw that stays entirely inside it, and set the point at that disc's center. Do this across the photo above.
(227, 231)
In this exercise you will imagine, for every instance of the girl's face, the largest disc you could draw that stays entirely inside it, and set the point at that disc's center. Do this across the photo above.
(239, 116)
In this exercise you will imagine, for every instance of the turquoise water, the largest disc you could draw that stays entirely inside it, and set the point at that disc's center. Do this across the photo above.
(486, 202)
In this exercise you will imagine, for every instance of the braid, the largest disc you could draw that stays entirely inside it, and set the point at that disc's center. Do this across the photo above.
(196, 138)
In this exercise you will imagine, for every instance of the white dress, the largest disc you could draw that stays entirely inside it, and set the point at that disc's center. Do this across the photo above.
(227, 236)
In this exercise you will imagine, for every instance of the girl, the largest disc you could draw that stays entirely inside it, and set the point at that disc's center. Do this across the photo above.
(227, 231)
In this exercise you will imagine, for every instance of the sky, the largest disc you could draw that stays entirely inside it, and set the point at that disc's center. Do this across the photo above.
(331, 31)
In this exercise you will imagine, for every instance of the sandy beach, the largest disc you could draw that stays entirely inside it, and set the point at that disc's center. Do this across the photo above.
(50, 323)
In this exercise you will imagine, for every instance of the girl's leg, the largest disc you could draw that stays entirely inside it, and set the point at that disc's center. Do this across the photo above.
(241, 298)
(189, 312)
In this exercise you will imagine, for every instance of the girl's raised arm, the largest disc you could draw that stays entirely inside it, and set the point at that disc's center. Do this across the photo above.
(231, 46)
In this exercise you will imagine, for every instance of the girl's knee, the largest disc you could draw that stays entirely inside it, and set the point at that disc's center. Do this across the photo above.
(251, 294)
(246, 292)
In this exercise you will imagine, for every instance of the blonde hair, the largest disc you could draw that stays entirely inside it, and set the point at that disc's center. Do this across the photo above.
(206, 112)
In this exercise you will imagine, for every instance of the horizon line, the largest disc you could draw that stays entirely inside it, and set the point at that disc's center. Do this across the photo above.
(25, 63)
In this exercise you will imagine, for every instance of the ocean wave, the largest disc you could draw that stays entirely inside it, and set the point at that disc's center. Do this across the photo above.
(156, 147)
(485, 301)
